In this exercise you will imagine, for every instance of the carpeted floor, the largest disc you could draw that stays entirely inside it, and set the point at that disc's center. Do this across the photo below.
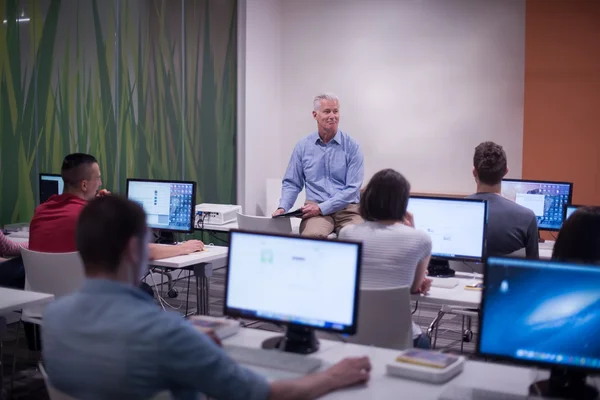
(28, 383)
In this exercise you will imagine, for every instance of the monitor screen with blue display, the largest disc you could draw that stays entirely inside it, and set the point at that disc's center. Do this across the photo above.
(294, 280)
(541, 312)
(169, 205)
(570, 209)
(546, 199)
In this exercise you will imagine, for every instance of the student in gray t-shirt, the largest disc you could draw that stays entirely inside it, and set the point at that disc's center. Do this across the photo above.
(511, 227)
(394, 253)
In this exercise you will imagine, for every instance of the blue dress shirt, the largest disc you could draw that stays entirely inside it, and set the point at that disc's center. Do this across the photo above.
(110, 341)
(332, 173)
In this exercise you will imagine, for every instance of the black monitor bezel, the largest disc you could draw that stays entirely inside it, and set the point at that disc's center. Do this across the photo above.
(570, 198)
(40, 175)
(485, 225)
(193, 208)
(515, 360)
(231, 312)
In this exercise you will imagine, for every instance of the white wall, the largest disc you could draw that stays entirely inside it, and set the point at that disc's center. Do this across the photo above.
(260, 90)
(421, 83)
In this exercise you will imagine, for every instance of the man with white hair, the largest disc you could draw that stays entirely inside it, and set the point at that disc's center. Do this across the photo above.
(330, 165)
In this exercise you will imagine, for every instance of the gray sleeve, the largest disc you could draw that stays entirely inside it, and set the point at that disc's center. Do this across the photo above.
(532, 249)
(192, 361)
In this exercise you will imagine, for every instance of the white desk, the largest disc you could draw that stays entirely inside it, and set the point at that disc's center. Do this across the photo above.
(456, 296)
(515, 380)
(202, 264)
(13, 299)
(234, 225)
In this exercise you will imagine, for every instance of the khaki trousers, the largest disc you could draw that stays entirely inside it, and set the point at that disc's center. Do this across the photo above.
(321, 226)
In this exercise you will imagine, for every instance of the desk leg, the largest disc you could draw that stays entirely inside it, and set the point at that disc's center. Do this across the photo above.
(434, 324)
(203, 272)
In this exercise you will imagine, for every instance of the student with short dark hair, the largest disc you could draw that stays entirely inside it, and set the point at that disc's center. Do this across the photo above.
(394, 253)
(52, 229)
(579, 238)
(110, 341)
(511, 227)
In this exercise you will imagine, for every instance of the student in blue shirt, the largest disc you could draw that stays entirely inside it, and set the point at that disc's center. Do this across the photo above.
(109, 340)
(330, 165)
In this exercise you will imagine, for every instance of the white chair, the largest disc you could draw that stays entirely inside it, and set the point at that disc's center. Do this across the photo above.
(55, 273)
(56, 394)
(384, 318)
(264, 224)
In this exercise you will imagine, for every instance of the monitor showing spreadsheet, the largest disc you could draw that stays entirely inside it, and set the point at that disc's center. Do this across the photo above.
(49, 185)
(169, 205)
(457, 227)
(546, 199)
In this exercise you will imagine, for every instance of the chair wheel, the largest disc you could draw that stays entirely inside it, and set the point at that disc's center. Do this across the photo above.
(172, 293)
(467, 335)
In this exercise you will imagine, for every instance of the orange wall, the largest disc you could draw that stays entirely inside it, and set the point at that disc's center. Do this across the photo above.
(561, 134)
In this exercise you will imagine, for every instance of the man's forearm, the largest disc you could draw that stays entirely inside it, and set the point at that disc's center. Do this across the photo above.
(308, 387)
(160, 251)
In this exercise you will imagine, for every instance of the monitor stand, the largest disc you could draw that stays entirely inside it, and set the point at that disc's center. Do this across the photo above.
(440, 268)
(297, 339)
(564, 385)
(165, 237)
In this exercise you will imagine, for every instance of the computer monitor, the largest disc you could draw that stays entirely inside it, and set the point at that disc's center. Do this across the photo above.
(546, 199)
(304, 283)
(456, 226)
(49, 185)
(569, 209)
(169, 205)
(543, 313)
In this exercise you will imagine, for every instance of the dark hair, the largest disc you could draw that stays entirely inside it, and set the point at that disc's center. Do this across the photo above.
(75, 168)
(490, 163)
(579, 237)
(105, 226)
(385, 197)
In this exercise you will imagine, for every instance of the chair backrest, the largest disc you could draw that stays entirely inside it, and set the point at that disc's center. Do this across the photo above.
(384, 318)
(55, 273)
(519, 253)
(56, 394)
(274, 195)
(53, 393)
(264, 224)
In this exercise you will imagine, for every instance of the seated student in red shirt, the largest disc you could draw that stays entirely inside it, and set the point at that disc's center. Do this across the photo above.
(52, 229)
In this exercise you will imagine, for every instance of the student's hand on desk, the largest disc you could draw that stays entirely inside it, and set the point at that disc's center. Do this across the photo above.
(277, 212)
(310, 210)
(409, 220)
(191, 246)
(103, 193)
(350, 371)
(425, 285)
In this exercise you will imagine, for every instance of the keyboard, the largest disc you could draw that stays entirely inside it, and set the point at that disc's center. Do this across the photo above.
(469, 393)
(446, 283)
(19, 235)
(273, 359)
